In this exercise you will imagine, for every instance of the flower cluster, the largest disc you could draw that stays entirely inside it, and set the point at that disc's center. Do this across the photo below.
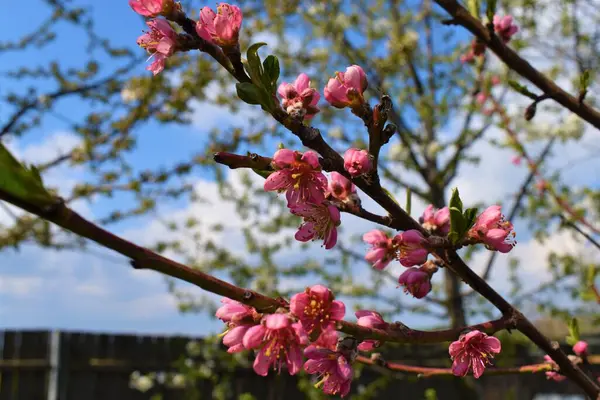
(283, 339)
(580, 349)
(492, 229)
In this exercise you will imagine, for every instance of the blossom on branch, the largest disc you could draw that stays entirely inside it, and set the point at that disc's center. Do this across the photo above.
(239, 318)
(492, 228)
(580, 348)
(473, 351)
(160, 41)
(328, 339)
(357, 162)
(553, 375)
(370, 319)
(152, 8)
(320, 222)
(504, 27)
(435, 220)
(317, 309)
(299, 175)
(416, 282)
(383, 249)
(346, 88)
(411, 248)
(222, 27)
(342, 189)
(279, 341)
(298, 99)
(332, 367)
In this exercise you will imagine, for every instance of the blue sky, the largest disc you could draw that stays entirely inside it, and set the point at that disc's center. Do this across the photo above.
(97, 290)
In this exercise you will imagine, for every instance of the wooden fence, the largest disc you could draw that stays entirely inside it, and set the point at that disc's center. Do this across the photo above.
(53, 365)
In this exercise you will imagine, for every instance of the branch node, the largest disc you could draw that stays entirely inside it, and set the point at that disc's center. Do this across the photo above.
(247, 295)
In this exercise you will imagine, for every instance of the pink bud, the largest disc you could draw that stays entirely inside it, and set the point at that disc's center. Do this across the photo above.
(411, 248)
(436, 220)
(516, 160)
(370, 319)
(495, 80)
(357, 162)
(340, 187)
(222, 27)
(481, 98)
(580, 348)
(504, 27)
(415, 282)
(151, 8)
(346, 89)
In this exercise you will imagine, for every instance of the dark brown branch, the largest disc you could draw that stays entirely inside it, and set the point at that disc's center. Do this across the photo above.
(252, 160)
(461, 16)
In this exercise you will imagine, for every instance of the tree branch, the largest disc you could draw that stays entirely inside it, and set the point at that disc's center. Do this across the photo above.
(461, 16)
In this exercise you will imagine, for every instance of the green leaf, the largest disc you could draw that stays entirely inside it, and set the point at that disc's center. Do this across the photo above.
(591, 274)
(573, 332)
(271, 73)
(473, 7)
(455, 200)
(457, 225)
(249, 93)
(254, 66)
(470, 217)
(522, 89)
(22, 182)
(584, 80)
(491, 9)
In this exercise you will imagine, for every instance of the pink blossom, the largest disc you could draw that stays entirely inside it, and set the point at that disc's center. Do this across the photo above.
(370, 319)
(320, 222)
(495, 80)
(553, 375)
(239, 318)
(481, 98)
(473, 351)
(411, 247)
(383, 249)
(435, 220)
(333, 367)
(151, 8)
(316, 309)
(234, 311)
(341, 188)
(494, 230)
(346, 88)
(416, 282)
(580, 348)
(298, 98)
(328, 339)
(516, 160)
(221, 28)
(477, 49)
(542, 185)
(357, 162)
(279, 341)
(160, 41)
(299, 175)
(504, 27)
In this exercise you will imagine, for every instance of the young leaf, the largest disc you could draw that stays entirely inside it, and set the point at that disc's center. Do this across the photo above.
(573, 332)
(457, 225)
(254, 66)
(491, 9)
(522, 89)
(473, 7)
(470, 218)
(20, 181)
(271, 73)
(455, 200)
(408, 201)
(249, 93)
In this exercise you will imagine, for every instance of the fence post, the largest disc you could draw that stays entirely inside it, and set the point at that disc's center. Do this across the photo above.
(54, 344)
